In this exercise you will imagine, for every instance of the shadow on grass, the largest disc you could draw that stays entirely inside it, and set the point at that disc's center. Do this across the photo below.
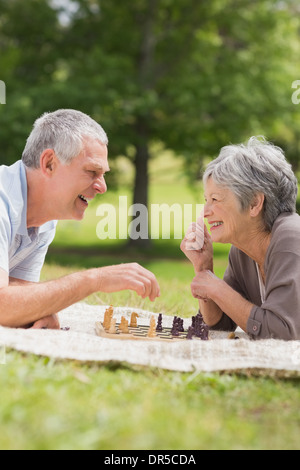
(106, 254)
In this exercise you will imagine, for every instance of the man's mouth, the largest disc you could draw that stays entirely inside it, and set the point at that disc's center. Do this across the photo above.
(83, 199)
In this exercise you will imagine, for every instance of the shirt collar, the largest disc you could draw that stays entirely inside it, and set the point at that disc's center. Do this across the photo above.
(23, 226)
(23, 180)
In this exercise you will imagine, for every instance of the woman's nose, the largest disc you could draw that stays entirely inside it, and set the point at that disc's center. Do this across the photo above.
(207, 210)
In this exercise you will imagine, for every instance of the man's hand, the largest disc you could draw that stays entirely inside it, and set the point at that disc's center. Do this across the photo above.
(130, 276)
(50, 322)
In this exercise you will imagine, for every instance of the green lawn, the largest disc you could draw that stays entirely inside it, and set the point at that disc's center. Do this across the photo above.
(66, 405)
(47, 404)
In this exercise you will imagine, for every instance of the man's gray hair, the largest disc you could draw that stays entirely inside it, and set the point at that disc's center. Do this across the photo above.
(257, 167)
(62, 131)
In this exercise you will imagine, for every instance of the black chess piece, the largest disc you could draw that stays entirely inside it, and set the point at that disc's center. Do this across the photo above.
(190, 333)
(159, 323)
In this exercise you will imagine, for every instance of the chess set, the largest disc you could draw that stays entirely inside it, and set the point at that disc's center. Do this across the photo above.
(156, 331)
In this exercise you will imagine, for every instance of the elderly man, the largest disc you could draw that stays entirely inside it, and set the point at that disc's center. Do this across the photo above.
(63, 167)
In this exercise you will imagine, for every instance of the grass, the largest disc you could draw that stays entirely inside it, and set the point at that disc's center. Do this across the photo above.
(48, 404)
(67, 405)
(173, 274)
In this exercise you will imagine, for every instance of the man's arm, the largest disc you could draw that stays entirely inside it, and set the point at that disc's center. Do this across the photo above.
(51, 321)
(21, 304)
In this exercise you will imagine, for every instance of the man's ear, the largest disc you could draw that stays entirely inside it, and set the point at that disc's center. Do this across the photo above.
(48, 162)
(257, 204)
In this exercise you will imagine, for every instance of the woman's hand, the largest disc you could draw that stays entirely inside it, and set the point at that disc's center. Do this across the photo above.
(204, 284)
(197, 246)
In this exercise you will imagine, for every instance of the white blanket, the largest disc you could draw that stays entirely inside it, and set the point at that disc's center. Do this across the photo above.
(80, 342)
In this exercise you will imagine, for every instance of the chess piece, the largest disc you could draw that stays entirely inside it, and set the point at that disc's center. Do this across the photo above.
(190, 333)
(177, 326)
(107, 317)
(201, 330)
(112, 328)
(151, 332)
(133, 320)
(159, 323)
(204, 332)
(175, 331)
(124, 325)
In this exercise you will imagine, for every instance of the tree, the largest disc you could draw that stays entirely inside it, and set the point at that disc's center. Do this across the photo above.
(30, 35)
(193, 75)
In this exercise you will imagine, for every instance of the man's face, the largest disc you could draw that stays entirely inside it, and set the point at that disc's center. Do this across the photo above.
(78, 183)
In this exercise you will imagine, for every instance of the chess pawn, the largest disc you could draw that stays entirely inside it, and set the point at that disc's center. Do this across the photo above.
(152, 328)
(121, 326)
(112, 328)
(190, 332)
(126, 329)
(124, 325)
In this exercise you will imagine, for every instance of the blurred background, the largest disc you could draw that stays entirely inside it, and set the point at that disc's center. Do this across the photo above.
(171, 82)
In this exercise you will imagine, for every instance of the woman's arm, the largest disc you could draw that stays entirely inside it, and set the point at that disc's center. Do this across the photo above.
(220, 298)
(217, 297)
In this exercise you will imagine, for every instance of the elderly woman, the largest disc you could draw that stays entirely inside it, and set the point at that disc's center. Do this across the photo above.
(250, 194)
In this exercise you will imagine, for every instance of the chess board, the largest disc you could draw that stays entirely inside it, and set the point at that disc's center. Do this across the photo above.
(140, 333)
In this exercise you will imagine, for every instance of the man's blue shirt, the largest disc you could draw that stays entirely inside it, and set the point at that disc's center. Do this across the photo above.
(22, 250)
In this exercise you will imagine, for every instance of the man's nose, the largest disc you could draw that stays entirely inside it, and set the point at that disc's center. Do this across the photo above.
(100, 185)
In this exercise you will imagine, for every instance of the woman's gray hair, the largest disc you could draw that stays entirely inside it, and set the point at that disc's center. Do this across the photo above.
(62, 131)
(257, 167)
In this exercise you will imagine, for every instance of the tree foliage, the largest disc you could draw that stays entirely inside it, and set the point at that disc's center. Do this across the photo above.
(193, 75)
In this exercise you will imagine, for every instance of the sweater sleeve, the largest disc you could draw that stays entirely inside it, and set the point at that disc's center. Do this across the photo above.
(226, 323)
(279, 315)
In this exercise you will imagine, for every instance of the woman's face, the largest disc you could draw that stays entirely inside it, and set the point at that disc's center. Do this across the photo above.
(223, 213)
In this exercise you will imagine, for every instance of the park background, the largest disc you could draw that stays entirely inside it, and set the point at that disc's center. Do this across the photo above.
(171, 82)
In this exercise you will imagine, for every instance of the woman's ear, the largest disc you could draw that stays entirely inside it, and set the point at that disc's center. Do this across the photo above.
(48, 162)
(257, 204)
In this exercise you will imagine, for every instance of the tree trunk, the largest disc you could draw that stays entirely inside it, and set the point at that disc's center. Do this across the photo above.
(139, 227)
